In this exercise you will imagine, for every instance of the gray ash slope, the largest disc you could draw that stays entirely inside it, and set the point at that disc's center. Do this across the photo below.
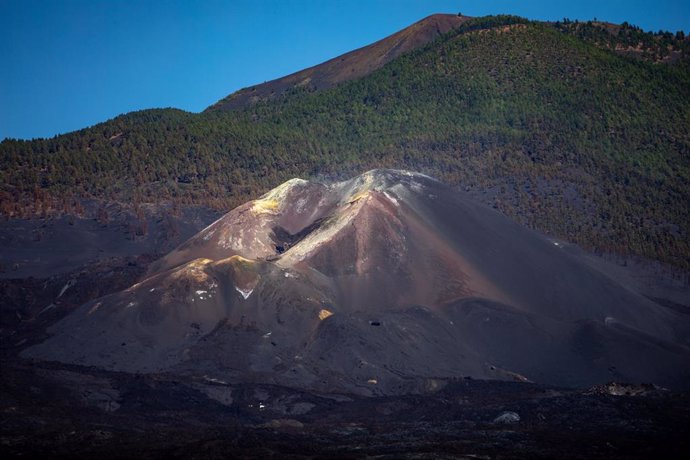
(377, 285)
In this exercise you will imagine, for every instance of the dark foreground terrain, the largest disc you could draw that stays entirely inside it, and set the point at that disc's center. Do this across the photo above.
(70, 412)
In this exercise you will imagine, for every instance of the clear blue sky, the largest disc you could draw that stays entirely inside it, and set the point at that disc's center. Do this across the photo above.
(73, 63)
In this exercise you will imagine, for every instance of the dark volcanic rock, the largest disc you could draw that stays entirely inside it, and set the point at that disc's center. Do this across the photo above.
(58, 411)
(388, 283)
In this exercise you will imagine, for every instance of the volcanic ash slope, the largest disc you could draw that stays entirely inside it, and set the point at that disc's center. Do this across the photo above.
(374, 285)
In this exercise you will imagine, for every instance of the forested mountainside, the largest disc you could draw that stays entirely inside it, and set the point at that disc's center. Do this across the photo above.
(570, 128)
(623, 39)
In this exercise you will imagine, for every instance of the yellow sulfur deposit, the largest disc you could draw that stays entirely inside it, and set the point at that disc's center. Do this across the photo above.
(266, 205)
(323, 314)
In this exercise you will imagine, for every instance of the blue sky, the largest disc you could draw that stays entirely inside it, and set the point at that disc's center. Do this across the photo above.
(73, 63)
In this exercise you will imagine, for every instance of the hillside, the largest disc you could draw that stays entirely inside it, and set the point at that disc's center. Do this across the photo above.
(625, 39)
(551, 125)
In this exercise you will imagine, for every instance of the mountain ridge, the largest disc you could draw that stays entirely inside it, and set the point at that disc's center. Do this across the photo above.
(540, 123)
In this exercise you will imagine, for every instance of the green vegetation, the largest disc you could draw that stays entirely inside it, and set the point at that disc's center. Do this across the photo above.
(565, 135)
(631, 40)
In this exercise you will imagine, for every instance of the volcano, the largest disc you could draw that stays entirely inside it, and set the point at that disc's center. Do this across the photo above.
(383, 284)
